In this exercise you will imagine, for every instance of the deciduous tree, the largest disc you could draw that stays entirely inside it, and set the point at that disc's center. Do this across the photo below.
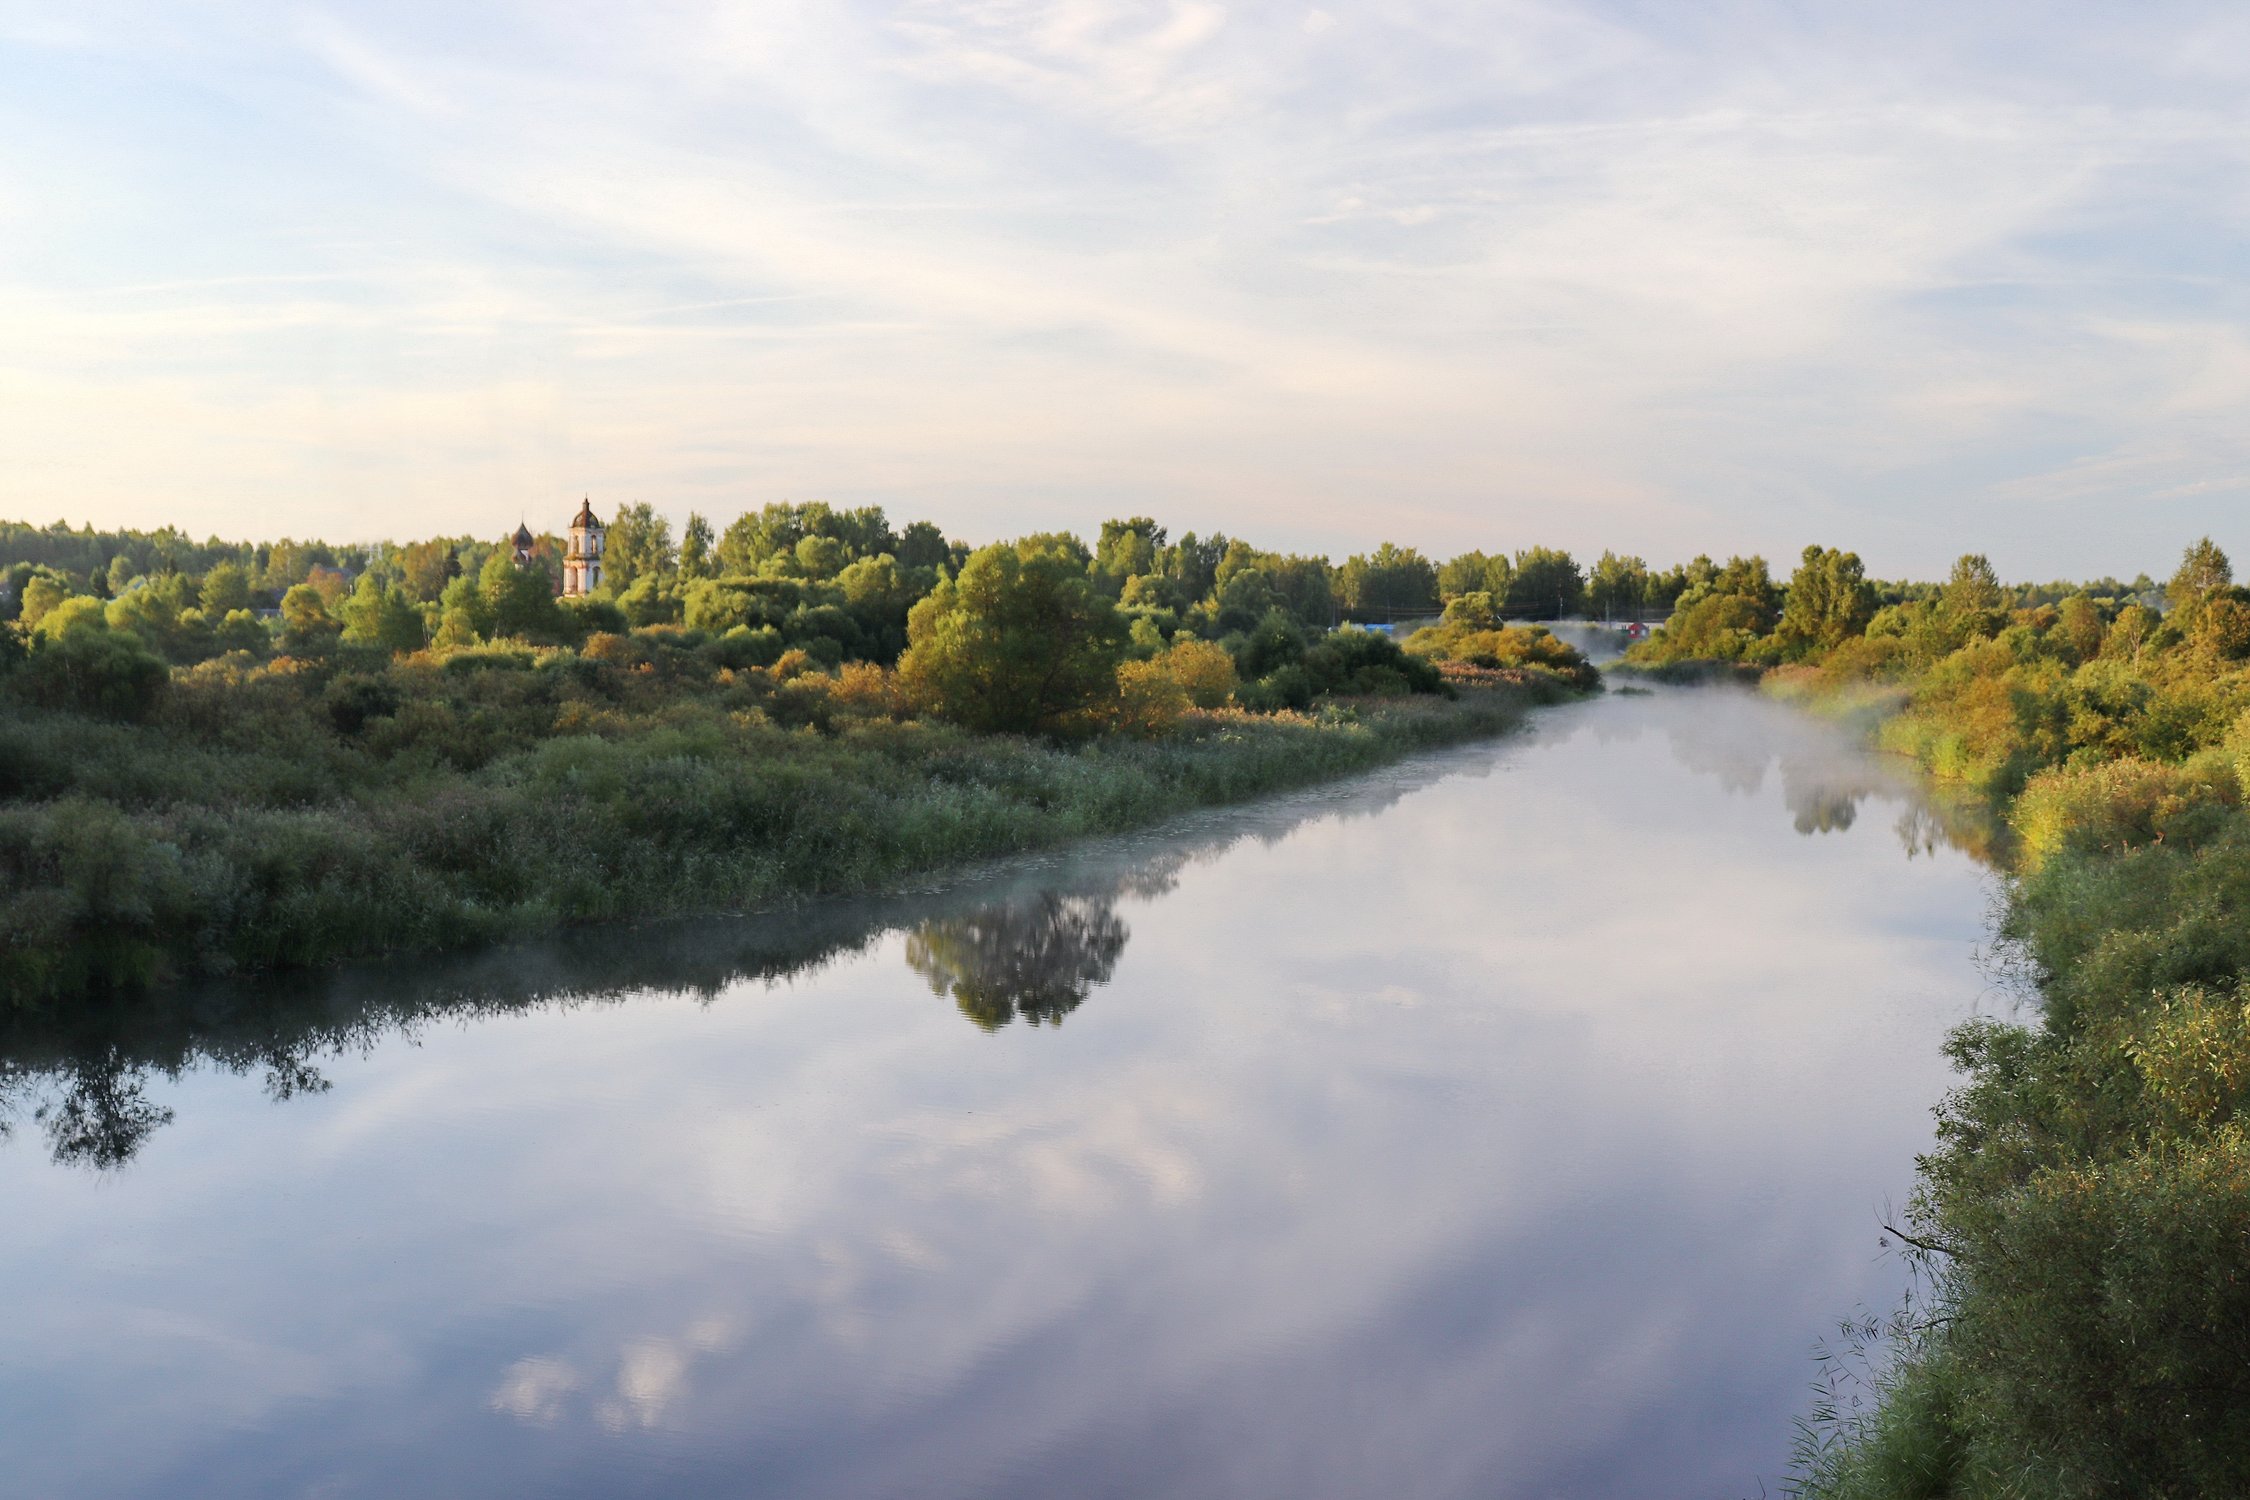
(638, 542)
(1390, 583)
(1022, 641)
(1829, 601)
(1546, 585)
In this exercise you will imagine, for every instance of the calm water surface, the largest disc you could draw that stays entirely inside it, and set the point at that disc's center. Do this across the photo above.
(1508, 1125)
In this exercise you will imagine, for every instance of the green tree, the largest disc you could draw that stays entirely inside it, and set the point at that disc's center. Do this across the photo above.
(639, 541)
(378, 614)
(879, 594)
(226, 588)
(820, 557)
(240, 631)
(1547, 585)
(1021, 641)
(1617, 586)
(1153, 591)
(2203, 571)
(1390, 583)
(425, 568)
(1723, 614)
(2221, 628)
(1273, 643)
(1127, 549)
(1476, 611)
(78, 662)
(1242, 599)
(776, 530)
(1973, 588)
(40, 596)
(1665, 588)
(307, 629)
(2079, 625)
(922, 545)
(12, 579)
(652, 600)
(698, 548)
(464, 617)
(288, 563)
(1475, 573)
(79, 612)
(1306, 586)
(521, 600)
(152, 610)
(1193, 563)
(2129, 632)
(1829, 600)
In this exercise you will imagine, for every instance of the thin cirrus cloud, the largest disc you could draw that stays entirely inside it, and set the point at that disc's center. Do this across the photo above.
(1738, 278)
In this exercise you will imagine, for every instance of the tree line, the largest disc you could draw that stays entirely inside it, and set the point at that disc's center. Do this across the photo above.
(2084, 1214)
(436, 749)
(1042, 633)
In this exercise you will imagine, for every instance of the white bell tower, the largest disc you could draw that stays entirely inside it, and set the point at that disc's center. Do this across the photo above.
(582, 563)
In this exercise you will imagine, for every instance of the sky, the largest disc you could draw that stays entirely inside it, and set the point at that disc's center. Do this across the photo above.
(1914, 279)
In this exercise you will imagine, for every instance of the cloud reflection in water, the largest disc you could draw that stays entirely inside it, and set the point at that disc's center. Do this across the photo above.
(1506, 1125)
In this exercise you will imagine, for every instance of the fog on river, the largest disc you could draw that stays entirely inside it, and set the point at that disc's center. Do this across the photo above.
(1510, 1124)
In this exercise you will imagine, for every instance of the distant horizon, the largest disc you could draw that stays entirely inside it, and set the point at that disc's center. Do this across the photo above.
(1915, 283)
(1781, 565)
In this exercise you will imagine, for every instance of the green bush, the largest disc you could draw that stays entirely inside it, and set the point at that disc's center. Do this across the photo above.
(1022, 641)
(96, 670)
(1465, 637)
(2118, 805)
(353, 700)
(745, 647)
(1370, 663)
(2089, 1196)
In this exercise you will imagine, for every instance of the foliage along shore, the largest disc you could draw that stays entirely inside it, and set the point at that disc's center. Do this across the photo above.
(182, 799)
(2084, 1218)
(1012, 940)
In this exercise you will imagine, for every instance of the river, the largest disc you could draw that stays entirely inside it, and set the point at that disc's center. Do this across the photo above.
(1508, 1124)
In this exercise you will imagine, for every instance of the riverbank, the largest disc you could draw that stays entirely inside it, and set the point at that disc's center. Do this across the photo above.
(2084, 1218)
(265, 824)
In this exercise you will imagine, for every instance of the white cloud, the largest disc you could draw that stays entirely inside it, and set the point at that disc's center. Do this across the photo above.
(1481, 272)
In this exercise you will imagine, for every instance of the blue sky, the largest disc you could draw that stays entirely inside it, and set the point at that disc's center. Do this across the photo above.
(1913, 279)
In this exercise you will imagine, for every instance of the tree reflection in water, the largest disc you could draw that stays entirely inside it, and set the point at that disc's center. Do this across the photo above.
(1033, 940)
(1038, 959)
(98, 1116)
(1739, 738)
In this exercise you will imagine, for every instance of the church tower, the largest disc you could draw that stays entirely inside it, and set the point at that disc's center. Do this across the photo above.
(582, 563)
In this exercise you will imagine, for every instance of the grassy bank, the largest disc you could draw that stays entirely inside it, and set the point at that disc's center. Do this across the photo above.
(2084, 1217)
(288, 816)
(1022, 940)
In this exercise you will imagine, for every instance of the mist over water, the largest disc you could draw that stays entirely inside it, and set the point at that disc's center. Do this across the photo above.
(1508, 1124)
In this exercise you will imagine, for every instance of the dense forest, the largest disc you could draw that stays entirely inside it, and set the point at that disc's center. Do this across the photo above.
(2084, 1221)
(222, 758)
